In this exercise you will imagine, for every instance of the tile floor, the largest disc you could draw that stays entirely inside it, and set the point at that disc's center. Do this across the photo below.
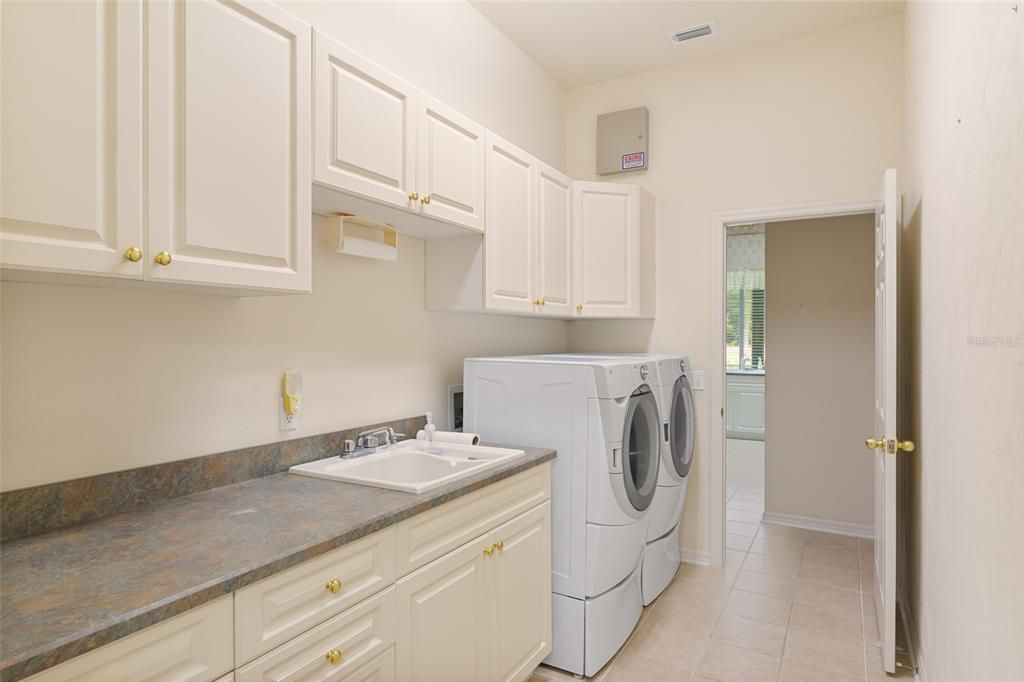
(790, 606)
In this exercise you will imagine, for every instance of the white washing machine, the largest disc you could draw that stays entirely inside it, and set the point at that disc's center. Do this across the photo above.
(603, 418)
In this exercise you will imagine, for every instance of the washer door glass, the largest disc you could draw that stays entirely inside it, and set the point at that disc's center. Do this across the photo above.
(641, 443)
(680, 430)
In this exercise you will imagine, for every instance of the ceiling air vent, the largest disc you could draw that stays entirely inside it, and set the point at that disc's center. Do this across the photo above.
(693, 32)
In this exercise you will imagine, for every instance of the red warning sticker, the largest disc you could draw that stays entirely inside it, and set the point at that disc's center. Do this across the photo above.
(633, 160)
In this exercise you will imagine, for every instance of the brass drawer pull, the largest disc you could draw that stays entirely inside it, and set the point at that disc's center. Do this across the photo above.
(333, 586)
(333, 656)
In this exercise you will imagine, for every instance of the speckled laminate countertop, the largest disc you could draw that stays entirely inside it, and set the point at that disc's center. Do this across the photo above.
(72, 590)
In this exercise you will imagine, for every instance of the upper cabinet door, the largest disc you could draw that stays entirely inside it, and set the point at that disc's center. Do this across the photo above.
(71, 187)
(365, 126)
(229, 140)
(508, 239)
(554, 240)
(605, 240)
(450, 170)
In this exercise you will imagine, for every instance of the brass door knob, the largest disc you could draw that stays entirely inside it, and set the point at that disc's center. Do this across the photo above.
(500, 545)
(414, 196)
(579, 307)
(874, 443)
(333, 586)
(425, 200)
(333, 656)
(488, 551)
(162, 258)
(542, 302)
(133, 254)
(905, 445)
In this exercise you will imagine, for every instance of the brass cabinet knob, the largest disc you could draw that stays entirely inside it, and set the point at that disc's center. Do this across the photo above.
(333, 656)
(425, 200)
(536, 301)
(333, 586)
(488, 551)
(874, 443)
(905, 445)
(499, 545)
(579, 307)
(542, 302)
(133, 254)
(414, 196)
(162, 258)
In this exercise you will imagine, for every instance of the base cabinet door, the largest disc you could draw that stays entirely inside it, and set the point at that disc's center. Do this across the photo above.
(444, 618)
(71, 120)
(519, 596)
(228, 102)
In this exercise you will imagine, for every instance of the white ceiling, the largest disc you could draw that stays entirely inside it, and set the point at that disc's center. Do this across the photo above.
(587, 41)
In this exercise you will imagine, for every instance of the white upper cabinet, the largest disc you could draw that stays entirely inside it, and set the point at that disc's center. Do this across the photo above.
(229, 143)
(509, 240)
(365, 126)
(450, 167)
(613, 240)
(71, 137)
(553, 270)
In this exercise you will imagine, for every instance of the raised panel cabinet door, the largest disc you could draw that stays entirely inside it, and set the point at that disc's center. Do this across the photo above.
(365, 126)
(71, 143)
(605, 239)
(519, 596)
(444, 618)
(450, 167)
(229, 144)
(194, 646)
(554, 241)
(509, 254)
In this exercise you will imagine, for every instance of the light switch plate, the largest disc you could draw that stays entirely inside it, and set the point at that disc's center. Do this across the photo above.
(697, 377)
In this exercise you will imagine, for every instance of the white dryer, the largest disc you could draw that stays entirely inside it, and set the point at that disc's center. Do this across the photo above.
(602, 417)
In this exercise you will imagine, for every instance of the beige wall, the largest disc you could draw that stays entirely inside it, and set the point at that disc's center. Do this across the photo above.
(98, 379)
(963, 207)
(819, 327)
(811, 119)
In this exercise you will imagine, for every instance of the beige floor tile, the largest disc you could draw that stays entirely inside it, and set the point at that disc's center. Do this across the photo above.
(795, 671)
(742, 516)
(748, 530)
(867, 579)
(831, 557)
(815, 593)
(832, 655)
(687, 619)
(745, 505)
(831, 541)
(748, 633)
(777, 544)
(545, 673)
(773, 530)
(734, 557)
(844, 579)
(727, 663)
(763, 583)
(656, 654)
(758, 606)
(871, 634)
(828, 618)
(737, 542)
(785, 564)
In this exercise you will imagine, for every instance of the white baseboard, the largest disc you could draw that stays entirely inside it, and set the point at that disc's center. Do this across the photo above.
(692, 556)
(856, 530)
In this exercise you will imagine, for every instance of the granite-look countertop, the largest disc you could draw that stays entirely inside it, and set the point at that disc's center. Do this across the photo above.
(72, 590)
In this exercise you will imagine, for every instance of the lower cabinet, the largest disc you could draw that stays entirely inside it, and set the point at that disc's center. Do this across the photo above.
(459, 592)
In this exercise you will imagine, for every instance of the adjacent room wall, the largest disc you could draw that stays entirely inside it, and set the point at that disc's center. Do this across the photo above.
(812, 119)
(819, 331)
(102, 379)
(963, 211)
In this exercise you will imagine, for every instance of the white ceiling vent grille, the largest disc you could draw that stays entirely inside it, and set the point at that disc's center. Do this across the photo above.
(694, 32)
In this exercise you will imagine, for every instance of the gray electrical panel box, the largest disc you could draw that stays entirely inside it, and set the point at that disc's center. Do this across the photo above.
(622, 141)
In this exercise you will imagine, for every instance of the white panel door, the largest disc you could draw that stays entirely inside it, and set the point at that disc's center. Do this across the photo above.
(519, 597)
(229, 141)
(444, 618)
(450, 167)
(605, 242)
(885, 442)
(554, 241)
(71, 187)
(508, 240)
(365, 126)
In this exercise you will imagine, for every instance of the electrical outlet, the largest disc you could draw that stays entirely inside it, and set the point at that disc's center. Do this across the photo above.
(290, 401)
(288, 422)
(697, 379)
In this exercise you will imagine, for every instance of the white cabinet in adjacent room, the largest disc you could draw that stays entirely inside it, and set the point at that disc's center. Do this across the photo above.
(613, 240)
(71, 191)
(228, 144)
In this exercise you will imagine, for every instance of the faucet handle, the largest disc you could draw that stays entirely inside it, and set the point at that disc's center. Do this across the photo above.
(396, 437)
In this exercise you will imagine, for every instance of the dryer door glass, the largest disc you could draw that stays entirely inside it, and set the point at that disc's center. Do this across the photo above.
(681, 427)
(640, 439)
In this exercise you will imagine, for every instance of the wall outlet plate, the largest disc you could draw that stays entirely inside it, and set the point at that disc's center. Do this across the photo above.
(287, 422)
(697, 379)
(291, 383)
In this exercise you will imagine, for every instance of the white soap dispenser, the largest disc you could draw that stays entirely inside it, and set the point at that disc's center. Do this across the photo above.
(429, 429)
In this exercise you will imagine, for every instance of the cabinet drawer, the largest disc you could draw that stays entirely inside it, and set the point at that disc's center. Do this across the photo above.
(425, 537)
(282, 606)
(192, 647)
(380, 669)
(358, 635)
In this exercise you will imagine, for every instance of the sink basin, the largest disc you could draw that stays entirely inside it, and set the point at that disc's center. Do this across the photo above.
(408, 466)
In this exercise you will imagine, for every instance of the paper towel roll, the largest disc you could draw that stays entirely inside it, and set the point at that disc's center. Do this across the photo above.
(451, 437)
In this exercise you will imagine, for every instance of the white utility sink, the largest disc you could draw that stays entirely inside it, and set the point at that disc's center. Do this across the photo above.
(408, 466)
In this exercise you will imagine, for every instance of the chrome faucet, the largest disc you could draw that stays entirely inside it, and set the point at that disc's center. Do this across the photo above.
(368, 442)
